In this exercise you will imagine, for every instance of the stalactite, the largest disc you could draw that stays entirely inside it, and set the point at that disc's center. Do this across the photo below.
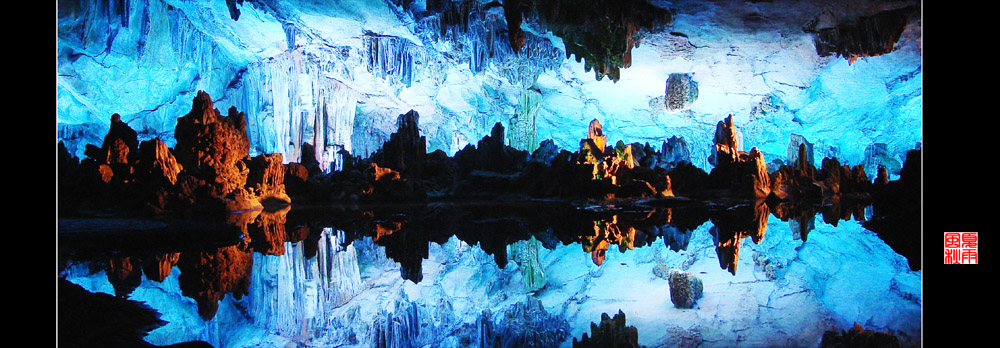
(389, 58)
(523, 132)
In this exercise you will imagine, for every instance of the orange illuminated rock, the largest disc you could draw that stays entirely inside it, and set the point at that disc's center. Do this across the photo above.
(207, 277)
(596, 133)
(158, 267)
(267, 178)
(212, 147)
(156, 164)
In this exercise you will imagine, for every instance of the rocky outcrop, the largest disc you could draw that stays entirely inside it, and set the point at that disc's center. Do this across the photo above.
(685, 288)
(405, 147)
(156, 164)
(212, 147)
(208, 168)
(266, 178)
(743, 174)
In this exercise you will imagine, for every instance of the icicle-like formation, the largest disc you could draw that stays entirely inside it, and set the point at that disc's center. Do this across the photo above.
(389, 57)
(397, 328)
(479, 31)
(338, 267)
(526, 255)
(293, 295)
(523, 134)
(93, 26)
(294, 99)
(277, 285)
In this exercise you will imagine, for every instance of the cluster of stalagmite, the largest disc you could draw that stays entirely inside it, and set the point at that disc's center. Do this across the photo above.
(209, 168)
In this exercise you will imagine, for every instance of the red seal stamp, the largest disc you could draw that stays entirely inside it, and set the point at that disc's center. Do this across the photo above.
(961, 248)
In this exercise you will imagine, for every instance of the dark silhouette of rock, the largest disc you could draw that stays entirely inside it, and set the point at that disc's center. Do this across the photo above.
(405, 147)
(491, 154)
(858, 337)
(896, 205)
(866, 36)
(610, 333)
(88, 319)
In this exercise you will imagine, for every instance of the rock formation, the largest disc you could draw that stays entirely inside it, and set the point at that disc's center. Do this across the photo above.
(525, 324)
(212, 147)
(867, 36)
(209, 167)
(405, 147)
(611, 332)
(601, 33)
(743, 174)
(209, 276)
(680, 93)
(685, 288)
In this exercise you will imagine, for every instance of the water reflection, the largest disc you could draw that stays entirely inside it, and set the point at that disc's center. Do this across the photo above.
(407, 231)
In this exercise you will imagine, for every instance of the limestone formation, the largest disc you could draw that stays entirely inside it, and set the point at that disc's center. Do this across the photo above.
(212, 147)
(793, 150)
(675, 150)
(156, 163)
(266, 178)
(405, 147)
(685, 288)
(867, 36)
(611, 332)
(595, 132)
(727, 143)
(680, 93)
(525, 324)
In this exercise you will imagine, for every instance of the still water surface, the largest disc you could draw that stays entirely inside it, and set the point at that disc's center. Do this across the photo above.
(514, 274)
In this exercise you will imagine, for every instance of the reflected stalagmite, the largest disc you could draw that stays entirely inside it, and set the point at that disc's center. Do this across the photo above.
(124, 275)
(732, 226)
(158, 267)
(209, 276)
